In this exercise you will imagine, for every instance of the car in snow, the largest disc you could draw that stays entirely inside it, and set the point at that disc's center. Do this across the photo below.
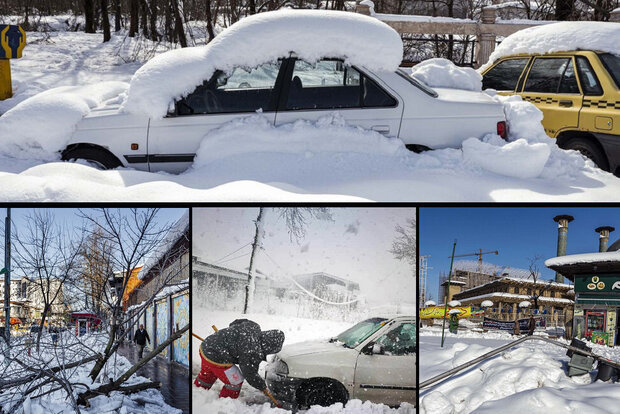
(578, 92)
(300, 75)
(375, 360)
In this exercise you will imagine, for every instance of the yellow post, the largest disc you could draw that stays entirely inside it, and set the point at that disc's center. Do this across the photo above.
(6, 90)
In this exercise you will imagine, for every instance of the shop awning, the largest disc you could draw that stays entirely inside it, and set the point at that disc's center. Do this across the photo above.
(588, 299)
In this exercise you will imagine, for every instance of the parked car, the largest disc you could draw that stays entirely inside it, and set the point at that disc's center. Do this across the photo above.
(374, 360)
(578, 93)
(284, 90)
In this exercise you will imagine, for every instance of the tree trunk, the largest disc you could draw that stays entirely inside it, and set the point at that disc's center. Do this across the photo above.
(178, 24)
(89, 16)
(251, 286)
(117, 15)
(144, 19)
(42, 324)
(564, 9)
(134, 10)
(210, 30)
(153, 20)
(105, 21)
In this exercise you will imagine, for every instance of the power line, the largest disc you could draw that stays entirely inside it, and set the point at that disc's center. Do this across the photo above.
(229, 254)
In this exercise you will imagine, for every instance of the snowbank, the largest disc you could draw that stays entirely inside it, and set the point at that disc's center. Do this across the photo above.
(256, 134)
(557, 37)
(442, 73)
(41, 126)
(261, 38)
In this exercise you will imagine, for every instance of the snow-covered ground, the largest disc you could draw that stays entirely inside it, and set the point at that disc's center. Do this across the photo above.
(529, 378)
(71, 349)
(325, 160)
(252, 401)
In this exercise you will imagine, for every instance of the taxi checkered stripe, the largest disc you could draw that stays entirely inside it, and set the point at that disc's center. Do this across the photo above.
(601, 104)
(540, 99)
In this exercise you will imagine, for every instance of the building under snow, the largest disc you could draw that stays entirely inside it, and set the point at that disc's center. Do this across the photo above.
(597, 291)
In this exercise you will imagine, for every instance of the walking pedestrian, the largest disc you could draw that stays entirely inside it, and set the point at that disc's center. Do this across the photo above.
(140, 338)
(532, 326)
(517, 328)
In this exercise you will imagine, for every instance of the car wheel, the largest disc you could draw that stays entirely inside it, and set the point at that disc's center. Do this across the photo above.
(589, 149)
(97, 157)
(323, 393)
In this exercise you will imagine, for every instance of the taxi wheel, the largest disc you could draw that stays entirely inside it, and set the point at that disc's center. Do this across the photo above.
(589, 149)
(97, 157)
(322, 392)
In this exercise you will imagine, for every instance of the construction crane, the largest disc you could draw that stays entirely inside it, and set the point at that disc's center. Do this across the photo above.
(479, 254)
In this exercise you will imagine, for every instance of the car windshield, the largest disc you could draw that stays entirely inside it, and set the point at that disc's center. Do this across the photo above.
(612, 64)
(357, 334)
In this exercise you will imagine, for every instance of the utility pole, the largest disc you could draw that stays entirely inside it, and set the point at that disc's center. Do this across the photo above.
(7, 277)
(447, 290)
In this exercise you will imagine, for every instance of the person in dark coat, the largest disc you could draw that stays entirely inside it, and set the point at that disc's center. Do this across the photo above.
(243, 344)
(517, 328)
(532, 326)
(140, 339)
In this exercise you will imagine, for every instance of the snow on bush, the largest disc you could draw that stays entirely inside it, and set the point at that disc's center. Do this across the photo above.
(41, 125)
(442, 73)
(557, 37)
(256, 134)
(261, 38)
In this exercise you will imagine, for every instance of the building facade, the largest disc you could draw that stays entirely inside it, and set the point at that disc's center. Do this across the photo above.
(27, 301)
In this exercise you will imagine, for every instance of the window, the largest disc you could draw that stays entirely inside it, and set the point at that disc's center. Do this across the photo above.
(552, 75)
(239, 91)
(587, 77)
(505, 75)
(399, 341)
(612, 64)
(330, 84)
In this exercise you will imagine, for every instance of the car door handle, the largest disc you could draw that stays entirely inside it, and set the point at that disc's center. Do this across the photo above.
(566, 102)
(382, 129)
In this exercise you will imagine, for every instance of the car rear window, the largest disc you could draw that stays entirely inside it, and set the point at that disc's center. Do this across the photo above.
(612, 64)
(505, 75)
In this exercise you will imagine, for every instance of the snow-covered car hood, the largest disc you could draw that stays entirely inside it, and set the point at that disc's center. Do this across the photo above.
(309, 347)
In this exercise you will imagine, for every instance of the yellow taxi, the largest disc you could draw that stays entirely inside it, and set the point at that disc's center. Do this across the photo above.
(578, 93)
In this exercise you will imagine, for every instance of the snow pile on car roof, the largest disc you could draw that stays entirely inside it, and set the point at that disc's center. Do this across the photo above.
(442, 73)
(558, 37)
(261, 38)
(40, 126)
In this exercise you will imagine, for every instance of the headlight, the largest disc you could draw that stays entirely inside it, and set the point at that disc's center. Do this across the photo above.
(279, 366)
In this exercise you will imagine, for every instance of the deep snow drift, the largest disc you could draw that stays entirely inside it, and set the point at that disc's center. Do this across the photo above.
(263, 38)
(252, 401)
(529, 378)
(442, 73)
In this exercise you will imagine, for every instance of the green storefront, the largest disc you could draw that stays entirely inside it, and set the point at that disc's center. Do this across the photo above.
(597, 304)
(597, 294)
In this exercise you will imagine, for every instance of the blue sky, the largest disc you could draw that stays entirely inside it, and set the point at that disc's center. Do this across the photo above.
(518, 233)
(67, 217)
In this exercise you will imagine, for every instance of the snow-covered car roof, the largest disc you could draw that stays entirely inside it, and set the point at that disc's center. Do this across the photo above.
(265, 37)
(560, 37)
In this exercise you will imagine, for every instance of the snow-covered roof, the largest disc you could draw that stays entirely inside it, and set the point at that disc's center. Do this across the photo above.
(176, 232)
(558, 37)
(261, 38)
(549, 283)
(166, 291)
(584, 258)
(454, 282)
(515, 296)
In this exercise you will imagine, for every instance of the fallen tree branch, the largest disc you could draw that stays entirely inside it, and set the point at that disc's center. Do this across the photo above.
(116, 385)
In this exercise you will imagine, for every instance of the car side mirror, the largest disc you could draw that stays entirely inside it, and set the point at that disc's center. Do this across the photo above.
(377, 349)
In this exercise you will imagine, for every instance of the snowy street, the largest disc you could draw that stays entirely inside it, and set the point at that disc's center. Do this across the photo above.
(530, 377)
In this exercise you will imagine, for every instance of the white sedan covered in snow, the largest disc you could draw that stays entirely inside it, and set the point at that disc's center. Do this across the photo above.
(374, 360)
(285, 65)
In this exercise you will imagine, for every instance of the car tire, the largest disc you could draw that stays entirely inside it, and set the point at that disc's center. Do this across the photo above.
(321, 392)
(98, 157)
(589, 149)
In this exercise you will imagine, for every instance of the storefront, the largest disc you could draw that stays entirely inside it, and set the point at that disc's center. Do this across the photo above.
(597, 294)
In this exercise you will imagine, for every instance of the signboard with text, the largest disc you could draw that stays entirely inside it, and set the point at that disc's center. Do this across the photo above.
(438, 312)
(524, 324)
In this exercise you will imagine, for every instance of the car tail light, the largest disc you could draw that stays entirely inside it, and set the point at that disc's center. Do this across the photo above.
(502, 131)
